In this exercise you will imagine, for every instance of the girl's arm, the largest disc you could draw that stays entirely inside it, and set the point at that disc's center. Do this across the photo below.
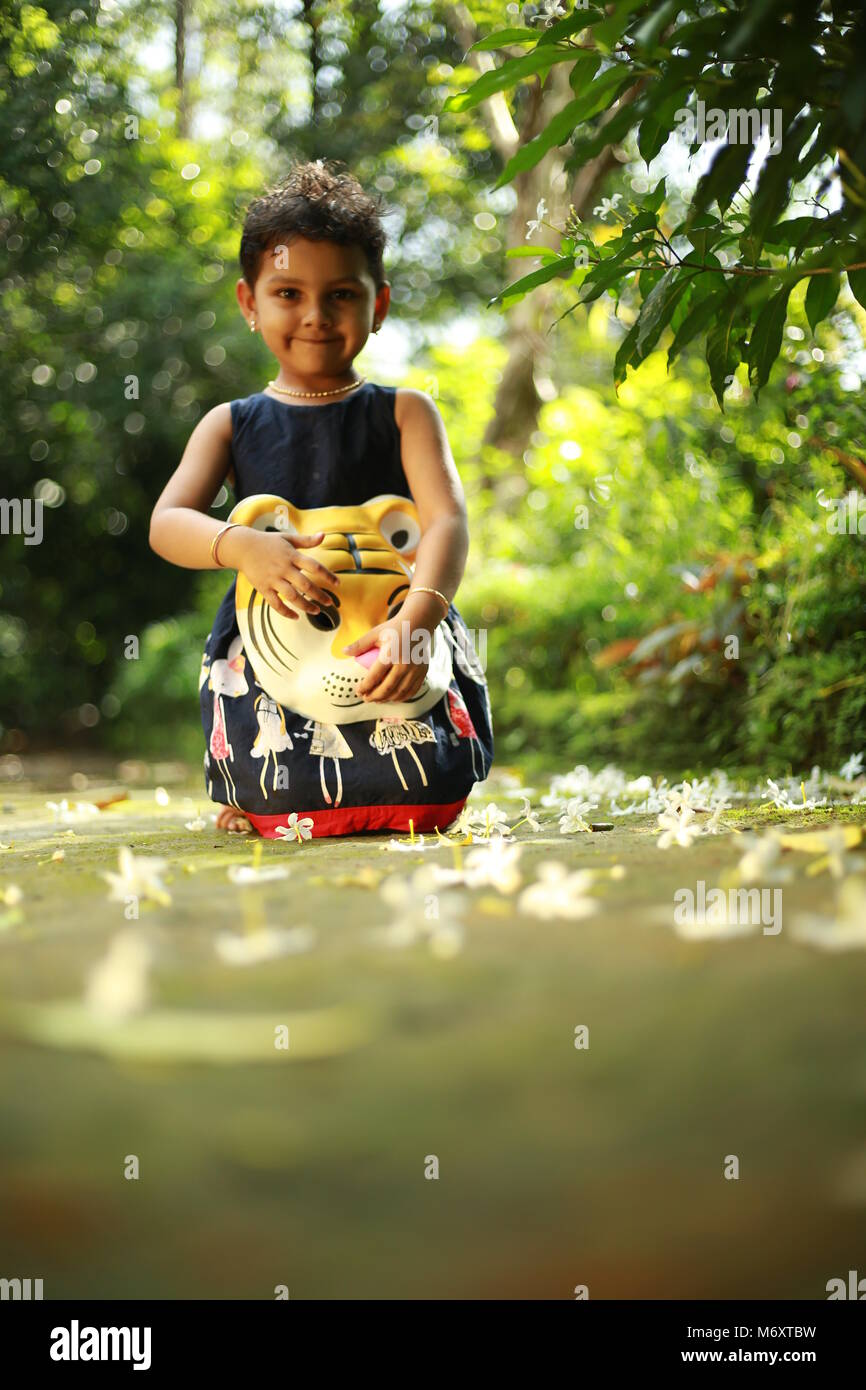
(438, 493)
(180, 529)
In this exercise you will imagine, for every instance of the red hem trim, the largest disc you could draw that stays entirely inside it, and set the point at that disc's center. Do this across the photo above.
(352, 820)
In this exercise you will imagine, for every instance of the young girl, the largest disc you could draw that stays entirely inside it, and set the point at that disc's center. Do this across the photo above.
(349, 539)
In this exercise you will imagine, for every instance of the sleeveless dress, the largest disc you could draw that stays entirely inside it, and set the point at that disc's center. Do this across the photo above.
(274, 762)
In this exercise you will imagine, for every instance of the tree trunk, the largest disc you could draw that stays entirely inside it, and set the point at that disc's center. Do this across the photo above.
(530, 347)
(180, 15)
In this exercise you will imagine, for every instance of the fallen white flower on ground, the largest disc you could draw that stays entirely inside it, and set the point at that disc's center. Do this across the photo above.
(678, 827)
(138, 878)
(846, 929)
(573, 817)
(242, 873)
(117, 986)
(421, 912)
(496, 865)
(266, 943)
(760, 863)
(297, 830)
(558, 893)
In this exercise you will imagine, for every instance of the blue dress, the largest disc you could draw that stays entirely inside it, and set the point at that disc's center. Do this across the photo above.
(287, 740)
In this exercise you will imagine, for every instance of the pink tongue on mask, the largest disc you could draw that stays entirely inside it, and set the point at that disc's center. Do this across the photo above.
(368, 658)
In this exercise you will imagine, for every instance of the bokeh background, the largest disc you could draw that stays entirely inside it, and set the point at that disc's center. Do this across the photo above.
(133, 135)
(618, 542)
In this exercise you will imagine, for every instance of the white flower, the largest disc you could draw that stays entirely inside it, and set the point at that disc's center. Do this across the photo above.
(495, 865)
(420, 912)
(714, 824)
(780, 798)
(138, 878)
(607, 205)
(678, 827)
(491, 819)
(527, 814)
(533, 226)
(760, 863)
(852, 768)
(573, 817)
(198, 824)
(296, 829)
(117, 986)
(846, 929)
(408, 846)
(837, 860)
(242, 873)
(161, 796)
(12, 895)
(263, 944)
(80, 810)
(558, 893)
(718, 922)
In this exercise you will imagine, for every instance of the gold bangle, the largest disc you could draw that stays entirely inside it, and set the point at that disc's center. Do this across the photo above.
(215, 542)
(425, 588)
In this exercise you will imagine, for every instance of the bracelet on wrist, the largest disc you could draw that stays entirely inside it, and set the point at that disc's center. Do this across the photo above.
(426, 589)
(214, 545)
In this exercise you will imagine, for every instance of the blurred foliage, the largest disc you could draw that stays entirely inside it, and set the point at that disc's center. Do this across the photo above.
(646, 519)
(118, 253)
(609, 567)
(720, 265)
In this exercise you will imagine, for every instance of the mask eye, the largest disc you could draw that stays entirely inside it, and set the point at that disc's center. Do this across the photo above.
(324, 621)
(401, 531)
(278, 521)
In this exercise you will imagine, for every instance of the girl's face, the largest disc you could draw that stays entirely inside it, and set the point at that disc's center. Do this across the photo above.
(315, 304)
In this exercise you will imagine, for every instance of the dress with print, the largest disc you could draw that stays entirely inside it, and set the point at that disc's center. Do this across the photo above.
(286, 734)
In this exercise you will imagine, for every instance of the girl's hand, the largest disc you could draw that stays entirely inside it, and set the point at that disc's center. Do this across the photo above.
(391, 678)
(276, 565)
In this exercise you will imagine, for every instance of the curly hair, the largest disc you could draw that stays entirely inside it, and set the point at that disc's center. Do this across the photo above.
(320, 203)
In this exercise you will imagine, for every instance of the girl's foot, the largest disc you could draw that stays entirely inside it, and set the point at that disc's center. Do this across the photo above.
(229, 818)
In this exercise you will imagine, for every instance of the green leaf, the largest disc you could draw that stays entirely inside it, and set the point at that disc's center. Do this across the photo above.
(508, 75)
(625, 354)
(798, 232)
(546, 253)
(573, 23)
(646, 33)
(563, 265)
(777, 174)
(723, 354)
(583, 72)
(501, 37)
(857, 285)
(653, 200)
(657, 125)
(556, 132)
(821, 295)
(601, 278)
(658, 306)
(766, 336)
(702, 313)
(722, 180)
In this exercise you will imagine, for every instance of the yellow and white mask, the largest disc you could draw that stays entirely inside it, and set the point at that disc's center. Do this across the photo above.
(300, 662)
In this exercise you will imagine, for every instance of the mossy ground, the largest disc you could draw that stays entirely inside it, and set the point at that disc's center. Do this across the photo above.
(557, 1166)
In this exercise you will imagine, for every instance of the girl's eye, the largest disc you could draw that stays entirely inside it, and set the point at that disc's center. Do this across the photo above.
(289, 290)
